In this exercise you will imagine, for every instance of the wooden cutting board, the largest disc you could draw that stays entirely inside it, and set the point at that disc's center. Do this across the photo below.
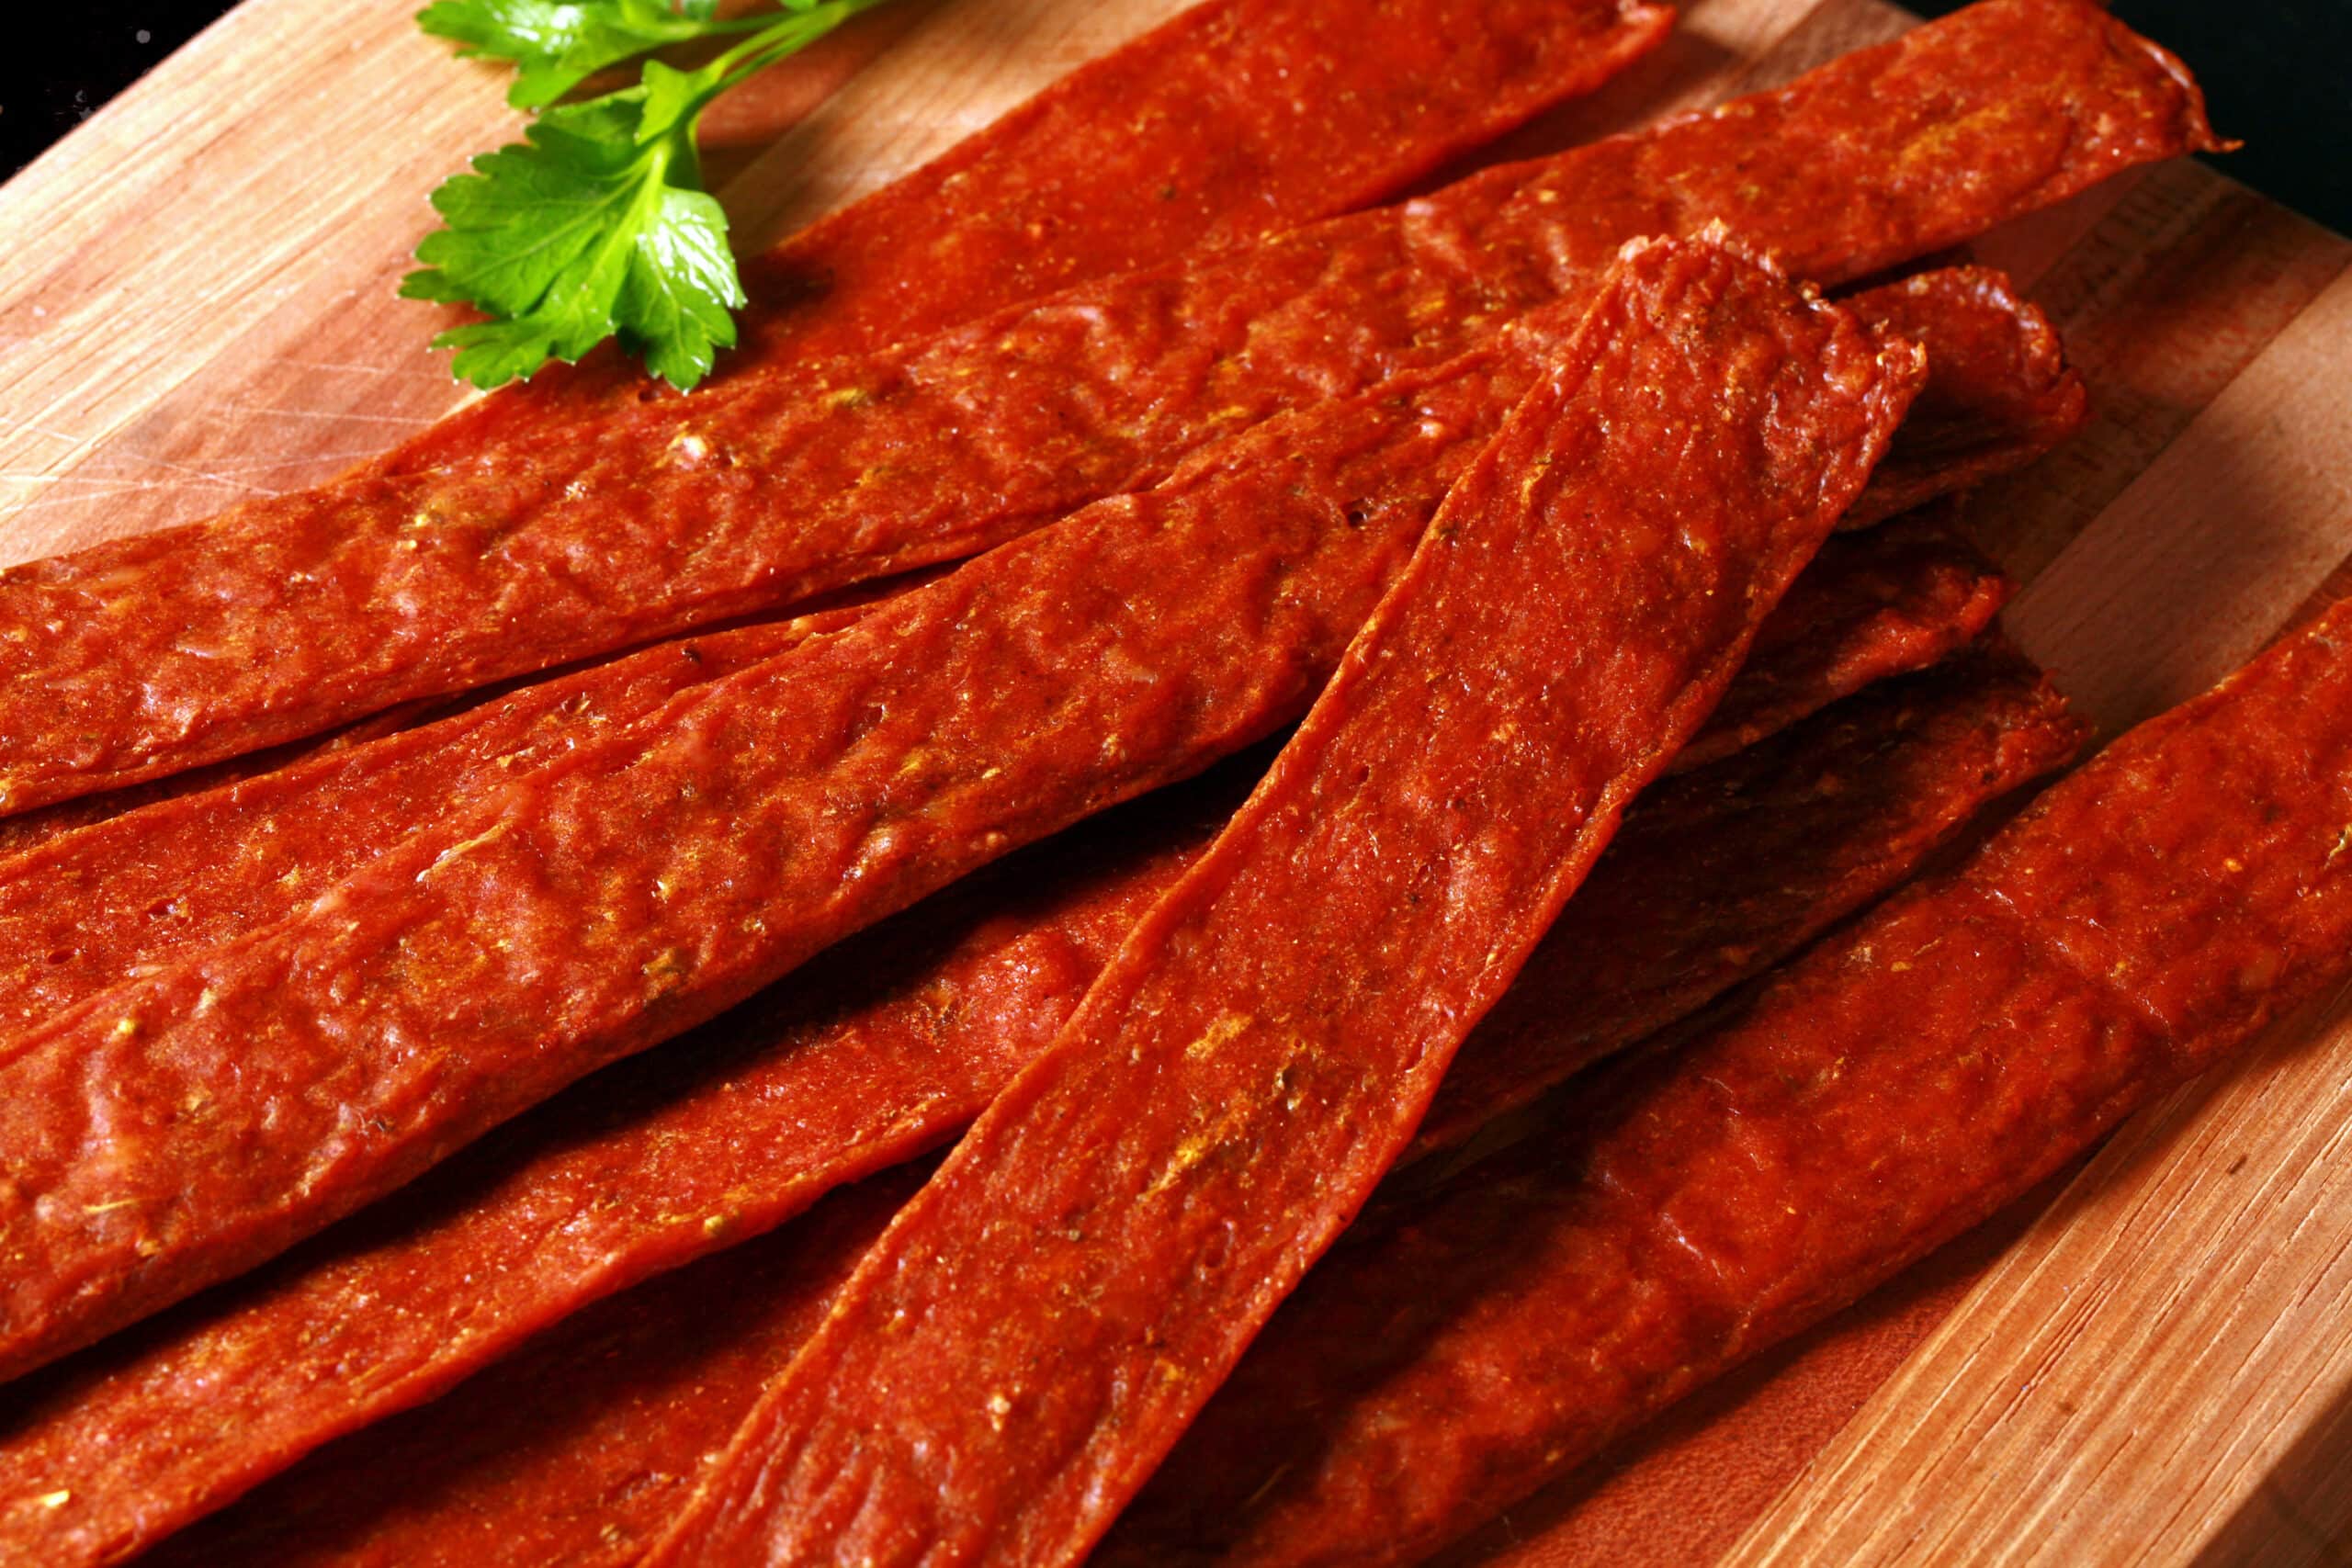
(2151, 1361)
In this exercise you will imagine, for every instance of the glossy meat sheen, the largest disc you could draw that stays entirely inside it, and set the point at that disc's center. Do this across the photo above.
(513, 538)
(1320, 106)
(1867, 789)
(1011, 1360)
(84, 910)
(144, 656)
(2001, 392)
(195, 1119)
(903, 1039)
(887, 1047)
(1870, 605)
(1289, 533)
(1999, 395)
(576, 1450)
(1897, 1085)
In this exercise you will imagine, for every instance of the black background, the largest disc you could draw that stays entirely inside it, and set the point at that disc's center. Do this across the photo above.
(2278, 73)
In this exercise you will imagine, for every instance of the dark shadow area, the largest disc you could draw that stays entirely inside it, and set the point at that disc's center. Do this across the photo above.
(2301, 1514)
(2274, 78)
(2273, 74)
(99, 48)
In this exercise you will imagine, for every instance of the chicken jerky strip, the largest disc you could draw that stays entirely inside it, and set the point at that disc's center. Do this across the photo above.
(1012, 1358)
(290, 614)
(1715, 876)
(1870, 605)
(903, 1037)
(1897, 1085)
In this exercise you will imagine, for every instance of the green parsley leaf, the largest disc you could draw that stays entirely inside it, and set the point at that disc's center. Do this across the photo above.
(596, 225)
(560, 43)
(590, 228)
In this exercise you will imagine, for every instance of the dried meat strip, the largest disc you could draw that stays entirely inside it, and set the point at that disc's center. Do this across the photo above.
(1320, 106)
(887, 1048)
(578, 1449)
(898, 1044)
(2000, 394)
(1899, 1084)
(1987, 417)
(1130, 645)
(81, 912)
(1703, 919)
(288, 615)
(1870, 605)
(425, 536)
(621, 894)
(1013, 1358)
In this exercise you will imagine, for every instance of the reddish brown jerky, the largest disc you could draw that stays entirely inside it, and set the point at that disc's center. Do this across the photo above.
(907, 1034)
(1013, 1358)
(1289, 533)
(1893, 1087)
(617, 896)
(649, 1388)
(575, 1452)
(890, 1045)
(20, 833)
(1961, 315)
(140, 657)
(1319, 105)
(1870, 605)
(2000, 394)
(446, 545)
(86, 910)
(1728, 905)
(83, 909)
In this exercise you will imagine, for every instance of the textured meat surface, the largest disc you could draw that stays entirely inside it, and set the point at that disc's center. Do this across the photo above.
(1715, 874)
(1013, 1358)
(1894, 1087)
(2002, 393)
(1855, 798)
(904, 1036)
(1250, 569)
(190, 1121)
(1870, 605)
(81, 912)
(290, 614)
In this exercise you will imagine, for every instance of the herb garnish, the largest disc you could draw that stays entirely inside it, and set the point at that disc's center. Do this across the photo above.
(598, 225)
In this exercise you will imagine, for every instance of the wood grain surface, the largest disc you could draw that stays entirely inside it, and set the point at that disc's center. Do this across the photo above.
(2153, 1362)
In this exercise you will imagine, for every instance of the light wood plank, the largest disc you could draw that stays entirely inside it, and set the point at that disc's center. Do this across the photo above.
(2121, 1386)
(2198, 561)
(203, 311)
(2125, 1380)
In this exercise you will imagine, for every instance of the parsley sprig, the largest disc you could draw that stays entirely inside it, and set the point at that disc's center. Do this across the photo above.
(598, 225)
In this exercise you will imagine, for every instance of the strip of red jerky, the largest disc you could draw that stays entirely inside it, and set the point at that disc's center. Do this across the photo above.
(1038, 1326)
(904, 1037)
(1872, 604)
(580, 1447)
(255, 1092)
(1129, 646)
(1899, 1084)
(1320, 106)
(293, 614)
(1997, 385)
(85, 911)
